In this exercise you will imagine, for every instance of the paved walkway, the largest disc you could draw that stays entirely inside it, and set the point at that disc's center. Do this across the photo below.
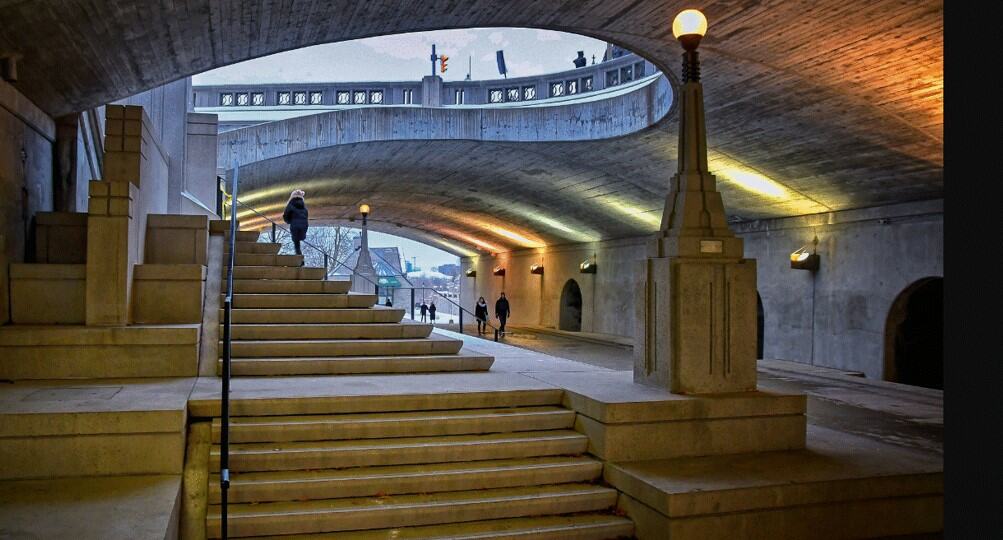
(892, 413)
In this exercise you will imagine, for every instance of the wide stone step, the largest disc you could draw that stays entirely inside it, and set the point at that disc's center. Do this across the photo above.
(243, 236)
(322, 348)
(401, 330)
(265, 259)
(590, 526)
(405, 479)
(358, 365)
(295, 286)
(364, 402)
(291, 456)
(276, 272)
(374, 314)
(303, 301)
(254, 247)
(396, 424)
(408, 510)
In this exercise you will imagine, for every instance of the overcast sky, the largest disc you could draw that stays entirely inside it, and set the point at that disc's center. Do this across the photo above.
(406, 57)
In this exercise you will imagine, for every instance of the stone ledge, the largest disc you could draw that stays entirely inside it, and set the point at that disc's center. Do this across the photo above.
(34, 336)
(835, 467)
(612, 397)
(67, 219)
(48, 271)
(177, 221)
(113, 508)
(169, 272)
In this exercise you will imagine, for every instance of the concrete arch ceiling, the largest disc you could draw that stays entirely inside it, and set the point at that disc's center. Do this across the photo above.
(839, 101)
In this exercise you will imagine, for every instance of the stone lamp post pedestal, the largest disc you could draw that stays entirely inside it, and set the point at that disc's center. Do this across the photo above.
(696, 300)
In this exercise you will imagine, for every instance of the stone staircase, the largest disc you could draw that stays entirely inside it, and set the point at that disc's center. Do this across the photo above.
(485, 465)
(288, 320)
(509, 466)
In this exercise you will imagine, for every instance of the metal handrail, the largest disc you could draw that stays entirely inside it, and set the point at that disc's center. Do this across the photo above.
(224, 458)
(328, 256)
(413, 288)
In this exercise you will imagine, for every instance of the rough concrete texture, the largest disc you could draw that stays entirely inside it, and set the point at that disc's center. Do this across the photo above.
(198, 195)
(837, 316)
(114, 508)
(27, 135)
(167, 107)
(867, 258)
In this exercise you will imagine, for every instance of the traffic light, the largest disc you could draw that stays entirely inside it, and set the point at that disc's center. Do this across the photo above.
(442, 65)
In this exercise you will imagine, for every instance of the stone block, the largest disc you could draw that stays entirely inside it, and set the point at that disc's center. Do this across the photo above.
(697, 325)
(176, 239)
(98, 188)
(696, 437)
(60, 237)
(122, 166)
(97, 206)
(108, 270)
(168, 293)
(47, 293)
(98, 352)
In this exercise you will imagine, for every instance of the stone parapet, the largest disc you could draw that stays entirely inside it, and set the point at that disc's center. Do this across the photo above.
(176, 239)
(168, 293)
(61, 237)
(47, 293)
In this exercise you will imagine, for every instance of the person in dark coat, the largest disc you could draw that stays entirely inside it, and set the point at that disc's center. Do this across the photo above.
(502, 312)
(296, 216)
(481, 314)
(389, 303)
(431, 312)
(424, 311)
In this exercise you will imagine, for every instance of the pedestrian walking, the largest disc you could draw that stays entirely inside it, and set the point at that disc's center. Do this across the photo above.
(389, 303)
(424, 311)
(297, 217)
(431, 312)
(502, 312)
(481, 314)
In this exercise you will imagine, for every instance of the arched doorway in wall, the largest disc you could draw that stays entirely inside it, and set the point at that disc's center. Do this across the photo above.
(760, 326)
(571, 307)
(914, 335)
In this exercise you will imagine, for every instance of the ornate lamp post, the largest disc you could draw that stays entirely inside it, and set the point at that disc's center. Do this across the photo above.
(364, 275)
(697, 309)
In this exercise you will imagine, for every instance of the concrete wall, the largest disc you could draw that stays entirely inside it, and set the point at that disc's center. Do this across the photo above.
(167, 107)
(835, 317)
(607, 295)
(198, 195)
(27, 137)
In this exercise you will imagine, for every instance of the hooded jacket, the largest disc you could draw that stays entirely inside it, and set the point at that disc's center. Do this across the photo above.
(296, 216)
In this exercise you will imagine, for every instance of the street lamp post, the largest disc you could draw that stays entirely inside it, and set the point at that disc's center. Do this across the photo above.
(698, 306)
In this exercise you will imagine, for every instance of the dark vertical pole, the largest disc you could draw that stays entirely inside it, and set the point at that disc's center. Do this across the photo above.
(273, 233)
(461, 319)
(412, 303)
(325, 265)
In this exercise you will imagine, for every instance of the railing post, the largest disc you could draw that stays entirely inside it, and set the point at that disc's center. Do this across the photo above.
(496, 334)
(412, 303)
(461, 319)
(325, 265)
(273, 232)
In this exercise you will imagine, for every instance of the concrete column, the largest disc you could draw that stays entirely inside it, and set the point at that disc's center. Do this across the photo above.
(431, 91)
(696, 301)
(134, 184)
(109, 265)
